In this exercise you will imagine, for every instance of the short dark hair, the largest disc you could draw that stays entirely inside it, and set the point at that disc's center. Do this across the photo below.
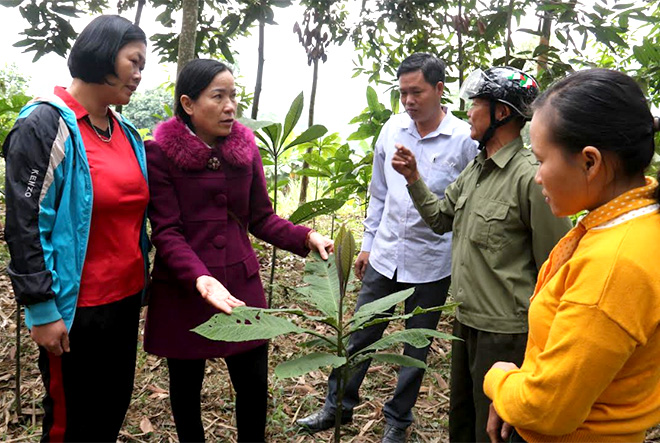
(92, 57)
(601, 108)
(195, 76)
(432, 67)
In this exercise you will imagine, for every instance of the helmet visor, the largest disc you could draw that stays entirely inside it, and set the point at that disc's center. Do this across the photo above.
(472, 85)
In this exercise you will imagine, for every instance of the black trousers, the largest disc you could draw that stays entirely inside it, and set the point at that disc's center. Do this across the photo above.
(398, 409)
(248, 372)
(88, 390)
(470, 360)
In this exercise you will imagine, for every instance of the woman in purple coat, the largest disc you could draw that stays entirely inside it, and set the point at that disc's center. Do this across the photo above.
(208, 190)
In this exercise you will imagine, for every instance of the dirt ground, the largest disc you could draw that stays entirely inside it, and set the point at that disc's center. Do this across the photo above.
(149, 418)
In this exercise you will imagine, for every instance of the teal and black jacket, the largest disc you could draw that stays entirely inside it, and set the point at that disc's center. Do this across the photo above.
(48, 189)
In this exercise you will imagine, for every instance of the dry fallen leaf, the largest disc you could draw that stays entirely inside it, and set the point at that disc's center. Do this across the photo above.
(366, 427)
(442, 384)
(157, 389)
(146, 426)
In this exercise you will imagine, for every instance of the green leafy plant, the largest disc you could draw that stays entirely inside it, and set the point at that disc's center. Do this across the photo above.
(346, 171)
(373, 118)
(9, 109)
(274, 138)
(328, 283)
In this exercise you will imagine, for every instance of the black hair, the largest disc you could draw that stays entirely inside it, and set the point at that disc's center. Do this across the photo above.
(92, 57)
(432, 67)
(601, 108)
(195, 76)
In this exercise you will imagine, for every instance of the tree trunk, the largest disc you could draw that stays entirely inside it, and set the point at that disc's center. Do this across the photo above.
(312, 99)
(138, 15)
(188, 33)
(461, 68)
(507, 46)
(546, 28)
(17, 387)
(260, 70)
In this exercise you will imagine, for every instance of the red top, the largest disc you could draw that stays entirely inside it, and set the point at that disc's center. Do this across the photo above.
(114, 268)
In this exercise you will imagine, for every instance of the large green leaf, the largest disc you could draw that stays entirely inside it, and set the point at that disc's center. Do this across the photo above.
(311, 133)
(246, 323)
(416, 311)
(380, 306)
(273, 132)
(67, 11)
(313, 173)
(395, 100)
(11, 3)
(266, 147)
(341, 184)
(226, 51)
(399, 359)
(372, 99)
(364, 131)
(315, 208)
(319, 343)
(323, 288)
(310, 362)
(255, 125)
(417, 338)
(293, 115)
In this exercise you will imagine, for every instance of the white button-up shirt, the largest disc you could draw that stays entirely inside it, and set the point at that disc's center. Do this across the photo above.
(394, 232)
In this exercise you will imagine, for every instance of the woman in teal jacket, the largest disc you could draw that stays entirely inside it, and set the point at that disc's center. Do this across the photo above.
(76, 194)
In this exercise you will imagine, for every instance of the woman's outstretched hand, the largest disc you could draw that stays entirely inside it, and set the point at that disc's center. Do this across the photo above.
(320, 243)
(216, 294)
(405, 164)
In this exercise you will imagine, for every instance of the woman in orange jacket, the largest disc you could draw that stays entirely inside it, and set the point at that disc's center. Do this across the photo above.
(591, 368)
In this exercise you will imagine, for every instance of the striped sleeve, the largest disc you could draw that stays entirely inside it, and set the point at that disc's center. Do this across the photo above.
(33, 151)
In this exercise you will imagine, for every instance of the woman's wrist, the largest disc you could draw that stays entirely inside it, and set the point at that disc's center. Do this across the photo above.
(309, 235)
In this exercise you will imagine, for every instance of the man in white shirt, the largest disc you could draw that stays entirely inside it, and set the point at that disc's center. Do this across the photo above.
(399, 250)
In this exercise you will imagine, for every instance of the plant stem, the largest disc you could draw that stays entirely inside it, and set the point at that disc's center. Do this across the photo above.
(260, 70)
(17, 394)
(274, 257)
(341, 385)
(273, 260)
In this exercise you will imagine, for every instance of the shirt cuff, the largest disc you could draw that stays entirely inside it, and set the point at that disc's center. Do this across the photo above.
(41, 313)
(418, 190)
(367, 241)
(492, 379)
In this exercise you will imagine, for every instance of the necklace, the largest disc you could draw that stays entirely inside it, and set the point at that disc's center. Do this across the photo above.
(102, 137)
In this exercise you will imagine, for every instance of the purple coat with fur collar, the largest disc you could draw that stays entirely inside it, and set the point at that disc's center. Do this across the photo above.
(200, 219)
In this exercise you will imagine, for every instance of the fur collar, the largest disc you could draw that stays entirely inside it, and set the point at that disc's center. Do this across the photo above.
(189, 152)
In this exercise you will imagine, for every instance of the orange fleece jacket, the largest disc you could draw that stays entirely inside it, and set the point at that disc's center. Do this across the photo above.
(592, 364)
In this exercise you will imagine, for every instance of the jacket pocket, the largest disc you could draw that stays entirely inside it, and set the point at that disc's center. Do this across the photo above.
(251, 266)
(459, 216)
(488, 224)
